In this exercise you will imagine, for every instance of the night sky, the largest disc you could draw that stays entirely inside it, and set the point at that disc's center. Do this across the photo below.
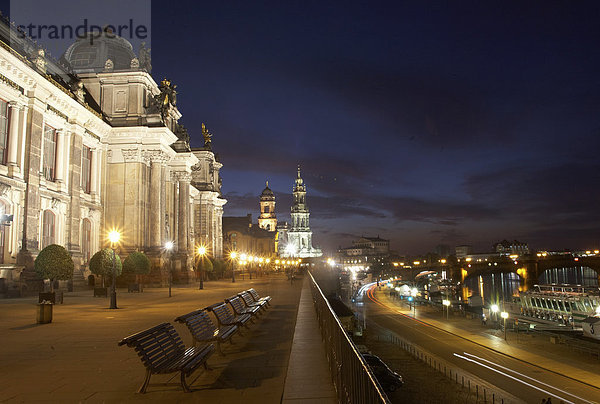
(451, 123)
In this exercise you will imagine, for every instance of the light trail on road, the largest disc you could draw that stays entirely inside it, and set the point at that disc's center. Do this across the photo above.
(506, 372)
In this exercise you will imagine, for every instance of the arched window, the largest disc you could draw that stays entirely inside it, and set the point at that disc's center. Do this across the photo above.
(86, 239)
(48, 228)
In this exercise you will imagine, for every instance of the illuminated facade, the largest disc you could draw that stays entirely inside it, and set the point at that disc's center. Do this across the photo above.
(92, 143)
(267, 219)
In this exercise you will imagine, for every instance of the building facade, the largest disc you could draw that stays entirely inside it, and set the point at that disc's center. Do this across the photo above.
(297, 240)
(93, 143)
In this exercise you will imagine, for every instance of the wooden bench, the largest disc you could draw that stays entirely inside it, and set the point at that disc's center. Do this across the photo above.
(161, 351)
(238, 306)
(257, 298)
(203, 329)
(249, 301)
(225, 317)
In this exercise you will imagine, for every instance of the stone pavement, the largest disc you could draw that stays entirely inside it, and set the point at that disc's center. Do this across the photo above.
(76, 358)
(530, 348)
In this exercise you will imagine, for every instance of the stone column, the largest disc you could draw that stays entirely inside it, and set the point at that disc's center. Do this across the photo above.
(155, 206)
(60, 156)
(13, 137)
(183, 217)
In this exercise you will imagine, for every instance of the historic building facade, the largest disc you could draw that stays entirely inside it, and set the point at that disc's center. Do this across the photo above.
(93, 143)
(296, 241)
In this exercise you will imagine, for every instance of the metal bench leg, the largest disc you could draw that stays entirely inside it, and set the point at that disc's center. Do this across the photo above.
(142, 388)
(185, 386)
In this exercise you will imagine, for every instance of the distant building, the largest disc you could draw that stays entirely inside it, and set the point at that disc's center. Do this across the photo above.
(297, 240)
(506, 247)
(239, 234)
(366, 253)
(463, 250)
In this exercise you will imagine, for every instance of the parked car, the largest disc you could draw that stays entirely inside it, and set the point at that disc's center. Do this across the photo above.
(387, 378)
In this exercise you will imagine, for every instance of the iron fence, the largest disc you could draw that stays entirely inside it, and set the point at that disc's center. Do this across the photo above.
(353, 380)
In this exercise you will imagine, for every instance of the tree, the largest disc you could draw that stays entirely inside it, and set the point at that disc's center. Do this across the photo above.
(102, 264)
(55, 263)
(136, 263)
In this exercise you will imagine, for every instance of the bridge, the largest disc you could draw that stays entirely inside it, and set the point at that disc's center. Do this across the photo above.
(528, 267)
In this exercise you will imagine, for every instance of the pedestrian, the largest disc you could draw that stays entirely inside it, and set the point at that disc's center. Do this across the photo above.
(483, 320)
(549, 400)
(544, 401)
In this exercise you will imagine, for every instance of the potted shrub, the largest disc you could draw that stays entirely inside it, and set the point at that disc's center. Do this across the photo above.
(136, 263)
(102, 264)
(55, 263)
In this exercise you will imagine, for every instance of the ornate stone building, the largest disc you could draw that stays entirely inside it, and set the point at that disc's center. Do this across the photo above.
(297, 240)
(93, 143)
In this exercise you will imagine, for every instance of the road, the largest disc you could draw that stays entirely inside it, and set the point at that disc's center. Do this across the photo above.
(521, 379)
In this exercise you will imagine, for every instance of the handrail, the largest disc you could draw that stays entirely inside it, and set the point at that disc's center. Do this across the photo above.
(353, 380)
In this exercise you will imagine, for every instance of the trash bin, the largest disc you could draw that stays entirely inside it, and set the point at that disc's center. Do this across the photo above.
(44, 313)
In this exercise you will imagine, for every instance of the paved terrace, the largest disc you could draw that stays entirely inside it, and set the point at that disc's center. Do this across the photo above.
(76, 357)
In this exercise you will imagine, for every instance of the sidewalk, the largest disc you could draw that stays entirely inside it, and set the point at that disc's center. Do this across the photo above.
(533, 349)
(76, 358)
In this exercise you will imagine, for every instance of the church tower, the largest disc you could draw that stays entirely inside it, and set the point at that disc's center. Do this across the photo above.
(267, 219)
(299, 237)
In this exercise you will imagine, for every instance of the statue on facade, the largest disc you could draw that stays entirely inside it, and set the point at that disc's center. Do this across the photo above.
(207, 137)
(182, 133)
(79, 91)
(39, 60)
(135, 63)
(109, 65)
(166, 97)
(144, 57)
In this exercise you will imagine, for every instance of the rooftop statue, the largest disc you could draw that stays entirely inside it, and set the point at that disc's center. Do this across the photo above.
(144, 57)
(166, 97)
(182, 133)
(207, 137)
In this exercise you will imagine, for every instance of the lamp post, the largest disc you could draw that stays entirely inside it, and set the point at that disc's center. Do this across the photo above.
(413, 294)
(446, 303)
(495, 309)
(232, 255)
(201, 253)
(114, 237)
(504, 316)
(169, 247)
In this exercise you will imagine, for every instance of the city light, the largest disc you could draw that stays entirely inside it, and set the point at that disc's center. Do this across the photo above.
(169, 245)
(494, 308)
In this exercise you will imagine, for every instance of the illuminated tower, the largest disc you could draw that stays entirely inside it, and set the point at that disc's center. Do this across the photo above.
(267, 219)
(299, 237)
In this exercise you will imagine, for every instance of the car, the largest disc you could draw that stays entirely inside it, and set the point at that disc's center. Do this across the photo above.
(387, 378)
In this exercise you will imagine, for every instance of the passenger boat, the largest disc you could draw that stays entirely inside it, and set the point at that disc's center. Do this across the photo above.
(567, 305)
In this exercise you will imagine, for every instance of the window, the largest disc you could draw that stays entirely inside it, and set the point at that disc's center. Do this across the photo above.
(47, 228)
(3, 130)
(86, 169)
(267, 209)
(86, 239)
(49, 167)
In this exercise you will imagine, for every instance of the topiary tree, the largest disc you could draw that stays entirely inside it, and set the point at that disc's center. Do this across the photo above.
(102, 264)
(136, 263)
(55, 263)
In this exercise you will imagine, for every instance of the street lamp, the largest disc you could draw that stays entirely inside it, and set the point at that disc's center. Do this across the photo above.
(201, 253)
(504, 316)
(232, 255)
(169, 247)
(447, 304)
(114, 237)
(495, 309)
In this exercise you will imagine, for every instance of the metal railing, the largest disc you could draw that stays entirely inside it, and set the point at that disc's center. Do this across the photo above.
(353, 380)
